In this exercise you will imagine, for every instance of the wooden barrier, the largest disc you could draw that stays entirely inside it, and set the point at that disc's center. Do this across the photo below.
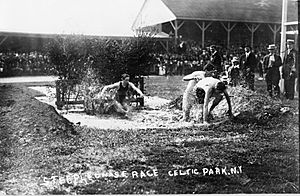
(138, 81)
(62, 98)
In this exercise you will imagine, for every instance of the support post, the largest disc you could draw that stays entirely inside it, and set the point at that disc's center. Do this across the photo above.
(176, 32)
(282, 39)
(3, 40)
(203, 28)
(275, 30)
(176, 27)
(229, 28)
(142, 87)
(164, 46)
(167, 46)
(283, 28)
(252, 29)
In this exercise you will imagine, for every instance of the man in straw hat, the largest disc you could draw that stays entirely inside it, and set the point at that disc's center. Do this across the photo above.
(271, 64)
(290, 70)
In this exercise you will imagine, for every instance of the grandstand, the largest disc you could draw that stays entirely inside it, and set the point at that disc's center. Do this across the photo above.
(225, 22)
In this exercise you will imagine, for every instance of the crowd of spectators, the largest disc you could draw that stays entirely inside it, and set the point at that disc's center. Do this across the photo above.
(15, 64)
(192, 57)
(189, 57)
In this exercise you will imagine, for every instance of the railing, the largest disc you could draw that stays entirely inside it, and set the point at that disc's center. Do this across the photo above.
(69, 92)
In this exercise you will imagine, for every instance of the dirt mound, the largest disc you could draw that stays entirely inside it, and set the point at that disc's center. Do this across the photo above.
(243, 102)
(28, 130)
(246, 100)
(26, 113)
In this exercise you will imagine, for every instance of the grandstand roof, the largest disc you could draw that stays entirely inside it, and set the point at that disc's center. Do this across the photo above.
(254, 11)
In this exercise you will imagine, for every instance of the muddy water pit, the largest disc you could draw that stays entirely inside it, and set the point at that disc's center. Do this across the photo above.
(151, 117)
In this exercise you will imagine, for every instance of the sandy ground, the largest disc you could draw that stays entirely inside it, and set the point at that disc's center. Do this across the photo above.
(152, 117)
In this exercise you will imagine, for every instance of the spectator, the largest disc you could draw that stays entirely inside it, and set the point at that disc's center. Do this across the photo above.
(290, 70)
(271, 64)
(248, 64)
(260, 57)
(214, 66)
(234, 72)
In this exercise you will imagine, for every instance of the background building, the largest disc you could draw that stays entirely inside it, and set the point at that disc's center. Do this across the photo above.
(223, 22)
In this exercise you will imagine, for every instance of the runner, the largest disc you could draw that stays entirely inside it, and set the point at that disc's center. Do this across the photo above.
(122, 93)
(188, 96)
(207, 88)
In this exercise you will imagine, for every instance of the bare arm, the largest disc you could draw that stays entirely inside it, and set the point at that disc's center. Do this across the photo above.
(136, 89)
(205, 105)
(197, 75)
(187, 78)
(105, 88)
(228, 102)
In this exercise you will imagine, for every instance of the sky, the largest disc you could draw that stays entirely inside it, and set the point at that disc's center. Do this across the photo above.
(89, 17)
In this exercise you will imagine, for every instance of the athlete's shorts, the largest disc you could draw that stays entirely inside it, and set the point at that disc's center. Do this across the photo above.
(200, 94)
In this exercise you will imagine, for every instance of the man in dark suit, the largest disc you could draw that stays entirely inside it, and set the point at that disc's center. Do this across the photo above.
(214, 66)
(248, 63)
(271, 64)
(290, 70)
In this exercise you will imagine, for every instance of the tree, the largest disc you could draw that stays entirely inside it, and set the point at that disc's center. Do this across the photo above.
(74, 58)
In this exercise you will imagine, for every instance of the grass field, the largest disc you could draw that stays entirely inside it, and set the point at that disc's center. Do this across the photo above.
(165, 87)
(232, 157)
(171, 87)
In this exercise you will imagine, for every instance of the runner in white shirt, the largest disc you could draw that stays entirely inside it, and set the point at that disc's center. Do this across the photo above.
(189, 97)
(211, 87)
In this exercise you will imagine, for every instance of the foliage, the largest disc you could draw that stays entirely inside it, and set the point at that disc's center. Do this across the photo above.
(92, 63)
(70, 56)
(138, 56)
(91, 87)
(67, 55)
